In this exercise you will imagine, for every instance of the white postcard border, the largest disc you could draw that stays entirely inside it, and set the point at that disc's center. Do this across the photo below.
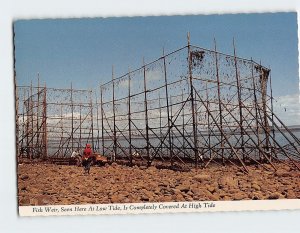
(159, 207)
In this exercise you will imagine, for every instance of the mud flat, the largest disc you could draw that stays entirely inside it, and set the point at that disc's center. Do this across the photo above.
(48, 184)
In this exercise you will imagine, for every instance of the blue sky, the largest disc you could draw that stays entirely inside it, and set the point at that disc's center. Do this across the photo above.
(84, 50)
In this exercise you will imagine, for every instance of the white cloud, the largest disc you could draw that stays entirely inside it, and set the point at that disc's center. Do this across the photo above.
(153, 75)
(287, 108)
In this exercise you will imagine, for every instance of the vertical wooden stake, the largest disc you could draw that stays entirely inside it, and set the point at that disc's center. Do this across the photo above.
(114, 118)
(80, 126)
(129, 118)
(168, 110)
(72, 120)
(193, 103)
(239, 92)
(97, 116)
(31, 122)
(219, 101)
(45, 154)
(146, 114)
(92, 119)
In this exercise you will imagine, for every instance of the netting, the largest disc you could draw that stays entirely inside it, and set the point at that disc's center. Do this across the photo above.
(63, 116)
(193, 106)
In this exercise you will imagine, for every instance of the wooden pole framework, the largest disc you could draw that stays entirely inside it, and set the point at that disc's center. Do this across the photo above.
(192, 126)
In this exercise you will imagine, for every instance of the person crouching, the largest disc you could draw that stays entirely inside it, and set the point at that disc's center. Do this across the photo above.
(87, 159)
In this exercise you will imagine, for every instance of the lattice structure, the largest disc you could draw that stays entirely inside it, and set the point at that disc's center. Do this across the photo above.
(31, 122)
(54, 122)
(193, 106)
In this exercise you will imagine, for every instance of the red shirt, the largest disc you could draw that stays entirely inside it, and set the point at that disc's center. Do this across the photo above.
(87, 152)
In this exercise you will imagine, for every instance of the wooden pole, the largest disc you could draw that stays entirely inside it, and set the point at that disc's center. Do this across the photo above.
(114, 118)
(168, 110)
(92, 119)
(129, 118)
(102, 120)
(72, 120)
(160, 123)
(45, 154)
(24, 131)
(38, 146)
(239, 91)
(27, 126)
(62, 130)
(31, 123)
(97, 116)
(80, 126)
(208, 124)
(219, 101)
(183, 125)
(272, 116)
(264, 78)
(192, 98)
(256, 112)
(171, 130)
(146, 114)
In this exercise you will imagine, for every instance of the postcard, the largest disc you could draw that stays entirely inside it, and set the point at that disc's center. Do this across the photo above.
(159, 114)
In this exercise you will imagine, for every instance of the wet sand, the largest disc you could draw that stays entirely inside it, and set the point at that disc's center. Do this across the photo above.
(49, 184)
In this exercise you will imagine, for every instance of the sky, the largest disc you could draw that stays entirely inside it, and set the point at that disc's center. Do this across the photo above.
(265, 221)
(83, 51)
